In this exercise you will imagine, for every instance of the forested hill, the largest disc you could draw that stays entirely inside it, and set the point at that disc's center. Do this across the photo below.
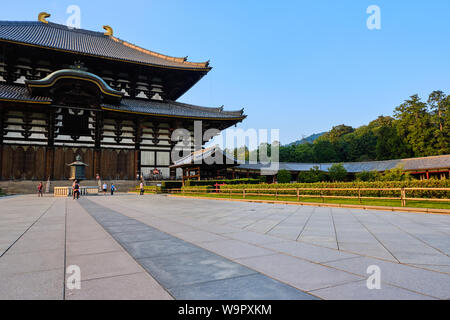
(417, 129)
(308, 139)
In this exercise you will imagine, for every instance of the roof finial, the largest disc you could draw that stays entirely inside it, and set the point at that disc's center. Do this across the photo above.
(42, 16)
(109, 31)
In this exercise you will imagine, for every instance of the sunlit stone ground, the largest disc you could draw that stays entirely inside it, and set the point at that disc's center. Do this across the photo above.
(159, 247)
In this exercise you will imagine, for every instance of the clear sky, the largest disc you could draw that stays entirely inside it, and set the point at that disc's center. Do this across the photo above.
(298, 66)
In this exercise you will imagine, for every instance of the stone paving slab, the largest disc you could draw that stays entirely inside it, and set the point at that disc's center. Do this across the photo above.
(174, 263)
(358, 291)
(138, 286)
(253, 237)
(39, 285)
(195, 267)
(233, 249)
(107, 270)
(426, 282)
(89, 247)
(309, 252)
(157, 248)
(36, 234)
(125, 237)
(301, 274)
(199, 236)
(352, 235)
(257, 287)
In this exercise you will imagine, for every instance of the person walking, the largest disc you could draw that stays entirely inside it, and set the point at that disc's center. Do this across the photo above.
(141, 186)
(40, 189)
(113, 188)
(76, 190)
(105, 188)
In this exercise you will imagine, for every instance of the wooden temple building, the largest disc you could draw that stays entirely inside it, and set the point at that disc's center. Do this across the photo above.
(207, 164)
(66, 92)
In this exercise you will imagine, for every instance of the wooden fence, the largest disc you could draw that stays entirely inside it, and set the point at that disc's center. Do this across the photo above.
(300, 193)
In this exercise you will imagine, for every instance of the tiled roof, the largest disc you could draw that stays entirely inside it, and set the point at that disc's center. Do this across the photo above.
(172, 108)
(152, 107)
(204, 157)
(413, 164)
(92, 43)
(19, 93)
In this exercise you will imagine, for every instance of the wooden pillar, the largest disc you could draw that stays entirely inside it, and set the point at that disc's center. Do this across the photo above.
(50, 150)
(2, 133)
(137, 146)
(428, 175)
(98, 143)
(172, 171)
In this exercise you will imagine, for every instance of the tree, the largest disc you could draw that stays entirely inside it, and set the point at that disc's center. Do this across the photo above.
(439, 105)
(368, 176)
(337, 132)
(396, 174)
(324, 151)
(414, 125)
(337, 172)
(311, 176)
(284, 176)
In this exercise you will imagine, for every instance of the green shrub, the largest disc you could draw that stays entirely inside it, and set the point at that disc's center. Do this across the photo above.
(359, 184)
(396, 174)
(262, 179)
(284, 176)
(194, 183)
(165, 185)
(337, 172)
(311, 176)
(368, 176)
(197, 188)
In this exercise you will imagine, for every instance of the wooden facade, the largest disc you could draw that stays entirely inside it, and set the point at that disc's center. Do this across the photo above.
(118, 113)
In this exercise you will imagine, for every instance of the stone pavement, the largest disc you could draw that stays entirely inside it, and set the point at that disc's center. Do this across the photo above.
(158, 247)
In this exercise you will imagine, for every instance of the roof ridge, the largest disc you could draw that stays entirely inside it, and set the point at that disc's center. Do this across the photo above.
(160, 55)
(218, 110)
(180, 60)
(54, 25)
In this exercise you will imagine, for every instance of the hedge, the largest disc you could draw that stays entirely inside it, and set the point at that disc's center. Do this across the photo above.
(147, 189)
(171, 185)
(197, 188)
(196, 183)
(358, 184)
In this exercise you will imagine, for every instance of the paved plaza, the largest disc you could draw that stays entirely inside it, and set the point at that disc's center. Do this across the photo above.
(161, 247)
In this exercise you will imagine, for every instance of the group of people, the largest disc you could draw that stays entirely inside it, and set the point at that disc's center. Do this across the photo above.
(76, 188)
(105, 188)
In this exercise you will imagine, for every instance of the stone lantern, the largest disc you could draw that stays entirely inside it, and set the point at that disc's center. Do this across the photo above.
(77, 169)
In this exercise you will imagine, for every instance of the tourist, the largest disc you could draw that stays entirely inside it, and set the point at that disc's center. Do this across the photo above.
(141, 186)
(113, 188)
(40, 188)
(76, 190)
(105, 188)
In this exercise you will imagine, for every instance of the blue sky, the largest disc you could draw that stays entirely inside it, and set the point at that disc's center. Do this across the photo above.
(298, 66)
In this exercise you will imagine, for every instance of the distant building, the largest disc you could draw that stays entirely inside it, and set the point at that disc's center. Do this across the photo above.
(437, 167)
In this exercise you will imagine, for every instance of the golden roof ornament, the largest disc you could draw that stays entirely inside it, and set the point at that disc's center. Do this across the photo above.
(43, 16)
(109, 31)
